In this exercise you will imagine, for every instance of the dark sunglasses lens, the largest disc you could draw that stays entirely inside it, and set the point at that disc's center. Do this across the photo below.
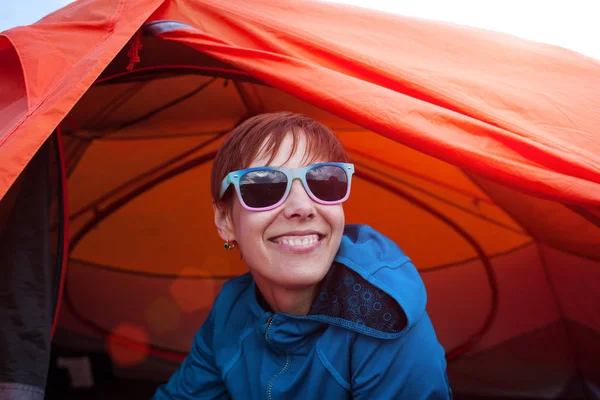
(328, 182)
(262, 188)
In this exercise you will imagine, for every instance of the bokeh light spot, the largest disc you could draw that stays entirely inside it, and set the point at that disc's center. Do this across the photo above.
(194, 294)
(128, 344)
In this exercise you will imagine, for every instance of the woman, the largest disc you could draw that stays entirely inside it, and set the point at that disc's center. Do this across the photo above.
(327, 311)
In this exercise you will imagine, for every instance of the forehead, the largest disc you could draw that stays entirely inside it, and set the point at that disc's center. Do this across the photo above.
(293, 149)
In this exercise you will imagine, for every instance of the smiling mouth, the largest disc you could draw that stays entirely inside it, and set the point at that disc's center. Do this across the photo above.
(297, 241)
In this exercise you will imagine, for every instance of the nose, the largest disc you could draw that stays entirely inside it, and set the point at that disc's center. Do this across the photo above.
(299, 205)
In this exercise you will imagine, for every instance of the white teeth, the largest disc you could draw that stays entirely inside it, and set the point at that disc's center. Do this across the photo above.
(297, 240)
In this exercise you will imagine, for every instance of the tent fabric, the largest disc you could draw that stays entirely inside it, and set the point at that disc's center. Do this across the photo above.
(47, 71)
(476, 152)
(430, 84)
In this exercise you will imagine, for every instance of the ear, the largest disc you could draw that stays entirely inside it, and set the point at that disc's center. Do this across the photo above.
(224, 222)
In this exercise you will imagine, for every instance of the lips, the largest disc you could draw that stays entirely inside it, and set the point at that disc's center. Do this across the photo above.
(298, 239)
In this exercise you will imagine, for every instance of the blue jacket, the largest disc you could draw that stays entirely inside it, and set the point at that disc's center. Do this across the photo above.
(367, 336)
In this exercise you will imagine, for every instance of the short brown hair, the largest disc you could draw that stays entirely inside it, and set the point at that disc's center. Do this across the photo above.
(245, 142)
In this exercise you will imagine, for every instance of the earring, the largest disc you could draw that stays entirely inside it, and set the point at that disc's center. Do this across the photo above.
(228, 246)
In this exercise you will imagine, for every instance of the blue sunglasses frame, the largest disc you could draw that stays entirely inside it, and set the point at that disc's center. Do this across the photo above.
(234, 177)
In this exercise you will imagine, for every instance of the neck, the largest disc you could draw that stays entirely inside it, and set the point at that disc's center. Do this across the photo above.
(296, 301)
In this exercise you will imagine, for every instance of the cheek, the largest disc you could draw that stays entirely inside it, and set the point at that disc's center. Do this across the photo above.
(335, 216)
(250, 225)
(341, 219)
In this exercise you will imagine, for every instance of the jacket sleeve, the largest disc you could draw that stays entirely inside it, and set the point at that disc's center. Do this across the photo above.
(197, 376)
(412, 366)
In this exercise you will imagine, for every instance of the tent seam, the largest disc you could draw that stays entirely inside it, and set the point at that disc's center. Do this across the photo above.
(518, 222)
(558, 304)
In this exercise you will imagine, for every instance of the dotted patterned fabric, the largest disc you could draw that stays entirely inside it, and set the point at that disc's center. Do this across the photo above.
(345, 294)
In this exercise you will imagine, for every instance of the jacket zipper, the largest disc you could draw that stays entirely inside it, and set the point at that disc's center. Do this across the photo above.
(269, 320)
(288, 360)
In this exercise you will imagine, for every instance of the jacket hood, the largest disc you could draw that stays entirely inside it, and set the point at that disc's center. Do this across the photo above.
(372, 288)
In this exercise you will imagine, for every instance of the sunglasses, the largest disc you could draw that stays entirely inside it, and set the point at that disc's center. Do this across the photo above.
(266, 188)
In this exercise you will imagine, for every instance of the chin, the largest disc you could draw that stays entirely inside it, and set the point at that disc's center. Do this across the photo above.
(302, 277)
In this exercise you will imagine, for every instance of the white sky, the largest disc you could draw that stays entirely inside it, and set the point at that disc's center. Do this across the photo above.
(574, 24)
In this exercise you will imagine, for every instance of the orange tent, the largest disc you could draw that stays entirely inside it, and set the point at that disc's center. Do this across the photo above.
(477, 152)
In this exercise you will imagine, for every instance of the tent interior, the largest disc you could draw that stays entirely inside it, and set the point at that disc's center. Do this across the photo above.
(513, 279)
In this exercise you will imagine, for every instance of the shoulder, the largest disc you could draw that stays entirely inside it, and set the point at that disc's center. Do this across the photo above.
(231, 304)
(239, 282)
(232, 290)
(417, 345)
(353, 357)
(410, 366)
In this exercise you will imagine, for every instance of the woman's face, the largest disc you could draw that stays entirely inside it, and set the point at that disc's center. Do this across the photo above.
(293, 245)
